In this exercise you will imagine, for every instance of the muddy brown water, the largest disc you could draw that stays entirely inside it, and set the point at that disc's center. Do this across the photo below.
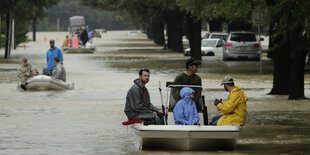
(87, 120)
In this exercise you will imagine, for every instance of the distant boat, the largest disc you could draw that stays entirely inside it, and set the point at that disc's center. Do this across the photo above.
(75, 46)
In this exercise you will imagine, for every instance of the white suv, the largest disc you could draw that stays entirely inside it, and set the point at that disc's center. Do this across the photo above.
(216, 35)
(209, 47)
(241, 45)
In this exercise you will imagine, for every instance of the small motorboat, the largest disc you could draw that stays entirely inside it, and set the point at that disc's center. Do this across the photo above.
(185, 137)
(75, 46)
(43, 82)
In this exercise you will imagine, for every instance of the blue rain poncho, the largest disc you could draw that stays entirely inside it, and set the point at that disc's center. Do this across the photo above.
(185, 111)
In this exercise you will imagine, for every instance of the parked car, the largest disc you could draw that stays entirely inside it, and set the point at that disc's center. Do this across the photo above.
(209, 47)
(216, 35)
(134, 33)
(242, 45)
(101, 31)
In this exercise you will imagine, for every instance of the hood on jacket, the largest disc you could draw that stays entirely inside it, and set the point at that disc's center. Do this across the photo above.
(240, 90)
(139, 83)
(186, 92)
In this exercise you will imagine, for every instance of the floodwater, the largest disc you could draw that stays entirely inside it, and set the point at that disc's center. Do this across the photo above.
(87, 120)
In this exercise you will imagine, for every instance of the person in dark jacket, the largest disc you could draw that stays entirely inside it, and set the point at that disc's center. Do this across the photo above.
(138, 105)
(59, 71)
(84, 36)
(188, 77)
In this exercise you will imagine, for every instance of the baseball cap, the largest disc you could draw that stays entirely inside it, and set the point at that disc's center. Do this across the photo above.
(227, 79)
(192, 61)
(52, 41)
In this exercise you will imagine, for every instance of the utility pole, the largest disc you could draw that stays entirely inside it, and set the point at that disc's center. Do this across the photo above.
(13, 33)
(57, 24)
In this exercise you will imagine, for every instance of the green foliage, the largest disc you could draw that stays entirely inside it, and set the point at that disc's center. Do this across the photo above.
(67, 8)
(193, 7)
(23, 11)
(135, 12)
(21, 29)
(286, 15)
(229, 10)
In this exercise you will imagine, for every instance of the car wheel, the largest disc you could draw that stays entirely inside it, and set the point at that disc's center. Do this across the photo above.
(210, 54)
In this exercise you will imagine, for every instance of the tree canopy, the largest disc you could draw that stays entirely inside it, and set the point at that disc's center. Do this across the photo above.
(94, 18)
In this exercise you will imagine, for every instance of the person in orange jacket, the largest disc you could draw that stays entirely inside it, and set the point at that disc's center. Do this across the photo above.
(234, 109)
(66, 42)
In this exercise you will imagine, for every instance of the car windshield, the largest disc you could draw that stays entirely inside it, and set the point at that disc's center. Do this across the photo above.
(208, 43)
(75, 29)
(206, 35)
(243, 37)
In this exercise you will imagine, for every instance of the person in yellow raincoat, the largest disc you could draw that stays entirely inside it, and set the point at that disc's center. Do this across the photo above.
(234, 109)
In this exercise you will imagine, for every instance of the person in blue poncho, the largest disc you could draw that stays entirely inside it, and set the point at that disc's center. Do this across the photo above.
(185, 111)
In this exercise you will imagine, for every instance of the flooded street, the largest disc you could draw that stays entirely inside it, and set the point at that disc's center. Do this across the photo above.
(87, 120)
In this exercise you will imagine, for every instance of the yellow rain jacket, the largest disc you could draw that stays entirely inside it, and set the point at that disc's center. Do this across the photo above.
(235, 108)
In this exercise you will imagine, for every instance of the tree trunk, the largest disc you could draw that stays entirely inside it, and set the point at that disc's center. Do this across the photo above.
(270, 5)
(34, 28)
(174, 31)
(8, 37)
(271, 44)
(149, 33)
(194, 36)
(158, 31)
(308, 62)
(298, 60)
(0, 30)
(280, 55)
(281, 67)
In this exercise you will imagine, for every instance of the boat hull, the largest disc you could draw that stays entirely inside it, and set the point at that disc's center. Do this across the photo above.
(79, 50)
(175, 137)
(42, 82)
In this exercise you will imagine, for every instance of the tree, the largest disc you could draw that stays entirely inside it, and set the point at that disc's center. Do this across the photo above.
(94, 18)
(148, 15)
(38, 12)
(21, 10)
(233, 12)
(290, 35)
